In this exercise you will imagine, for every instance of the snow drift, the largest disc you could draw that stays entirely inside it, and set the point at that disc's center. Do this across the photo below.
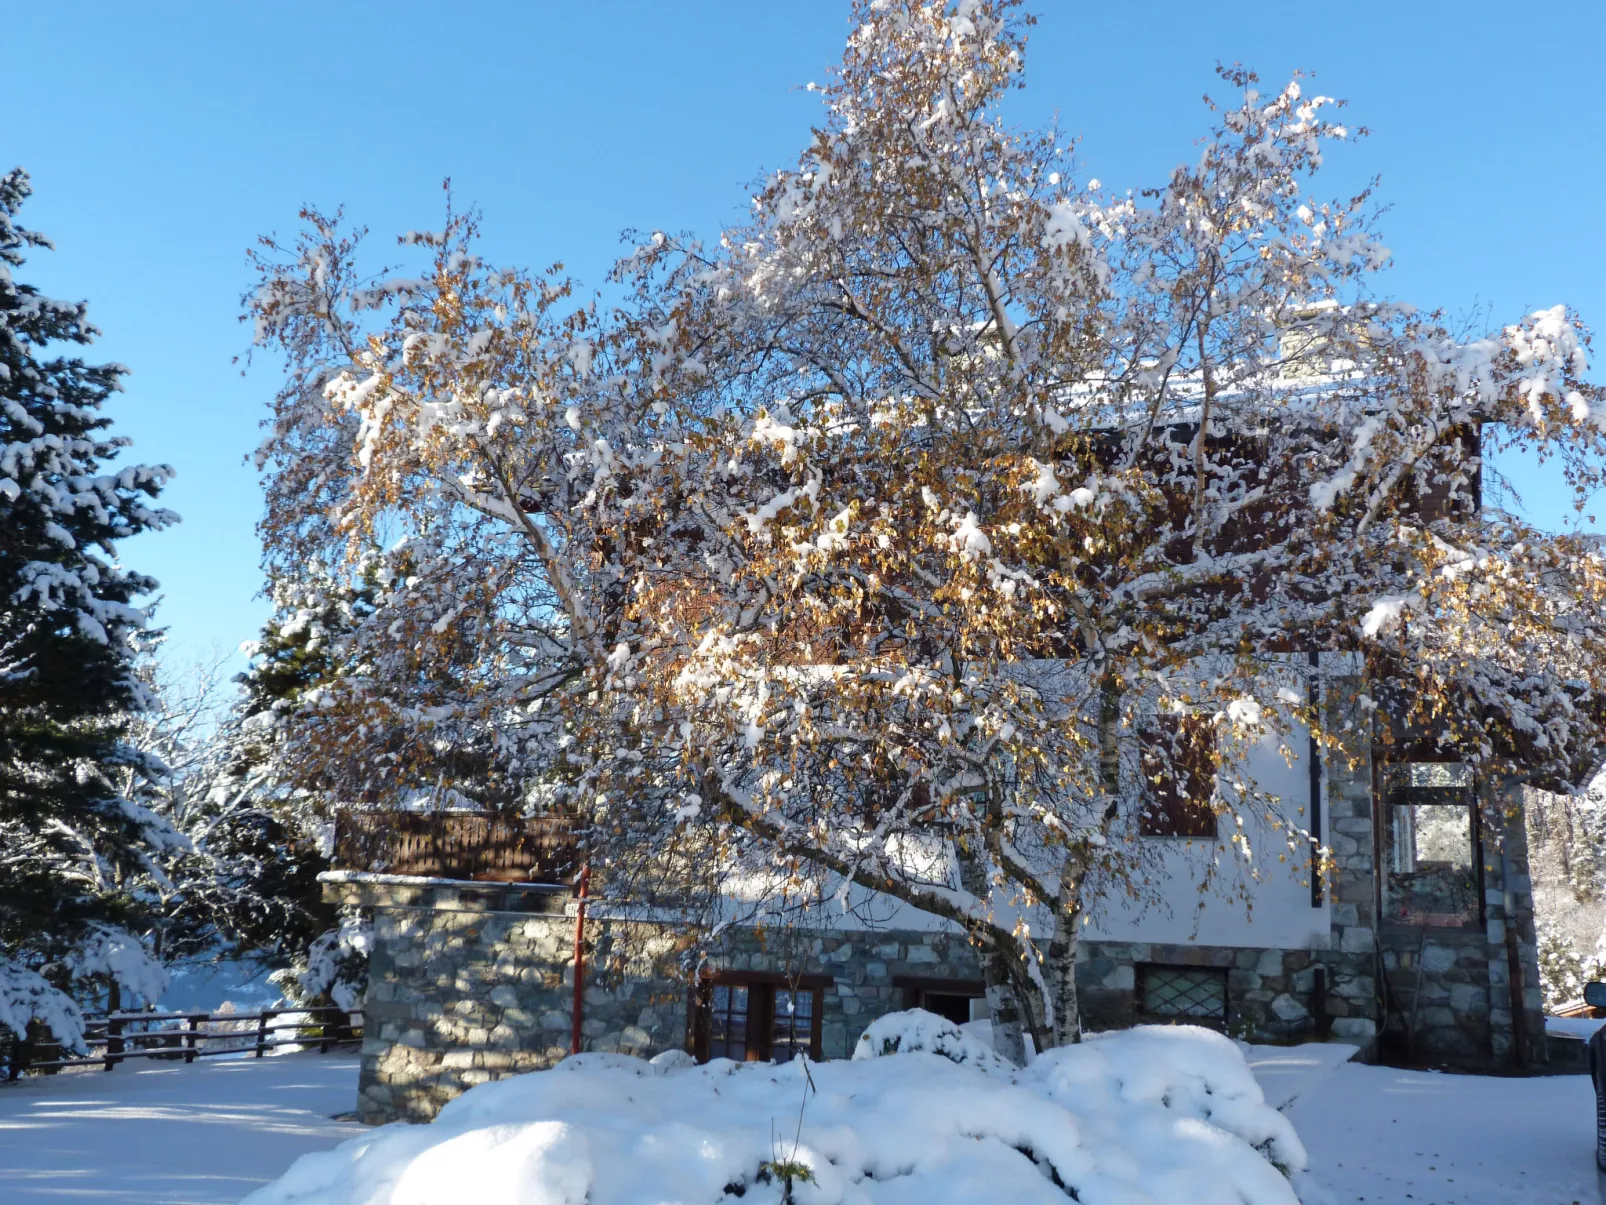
(922, 1114)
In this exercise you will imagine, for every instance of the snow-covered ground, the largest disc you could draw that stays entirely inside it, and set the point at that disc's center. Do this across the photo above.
(167, 1134)
(1387, 1137)
(216, 1131)
(1383, 1136)
(1577, 1027)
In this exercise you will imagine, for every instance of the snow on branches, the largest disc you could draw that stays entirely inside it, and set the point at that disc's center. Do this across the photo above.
(51, 448)
(898, 540)
(71, 844)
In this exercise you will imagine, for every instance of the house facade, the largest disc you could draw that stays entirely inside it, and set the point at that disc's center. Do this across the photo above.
(1417, 943)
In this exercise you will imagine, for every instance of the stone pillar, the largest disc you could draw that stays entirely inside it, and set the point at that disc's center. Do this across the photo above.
(1509, 912)
(1349, 811)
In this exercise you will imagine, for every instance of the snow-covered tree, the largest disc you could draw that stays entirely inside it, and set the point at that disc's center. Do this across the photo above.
(1567, 866)
(70, 841)
(1020, 467)
(921, 530)
(494, 611)
(242, 880)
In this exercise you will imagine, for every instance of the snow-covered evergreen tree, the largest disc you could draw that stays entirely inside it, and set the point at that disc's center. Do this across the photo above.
(1567, 864)
(71, 844)
(243, 882)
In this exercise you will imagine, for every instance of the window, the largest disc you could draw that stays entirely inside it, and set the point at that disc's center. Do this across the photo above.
(792, 1025)
(1178, 757)
(1431, 845)
(727, 1022)
(1448, 481)
(756, 1018)
(957, 1000)
(1194, 993)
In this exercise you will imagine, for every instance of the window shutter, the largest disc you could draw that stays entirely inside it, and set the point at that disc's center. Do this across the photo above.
(1178, 758)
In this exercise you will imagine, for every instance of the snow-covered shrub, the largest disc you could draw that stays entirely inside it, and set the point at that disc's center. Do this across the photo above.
(336, 966)
(918, 1030)
(103, 956)
(1567, 863)
(1561, 968)
(1113, 1081)
(109, 955)
(1144, 1118)
(26, 996)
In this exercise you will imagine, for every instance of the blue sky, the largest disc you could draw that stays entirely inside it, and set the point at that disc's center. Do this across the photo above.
(164, 137)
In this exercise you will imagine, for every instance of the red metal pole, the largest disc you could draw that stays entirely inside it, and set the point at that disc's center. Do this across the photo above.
(580, 960)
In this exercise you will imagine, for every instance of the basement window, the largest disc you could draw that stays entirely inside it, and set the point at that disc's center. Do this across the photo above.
(957, 1000)
(1431, 846)
(1182, 993)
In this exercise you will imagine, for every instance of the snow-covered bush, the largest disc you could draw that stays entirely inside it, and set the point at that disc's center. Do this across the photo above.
(26, 996)
(1161, 1089)
(1567, 862)
(336, 966)
(1561, 967)
(917, 1030)
(109, 955)
(1141, 1118)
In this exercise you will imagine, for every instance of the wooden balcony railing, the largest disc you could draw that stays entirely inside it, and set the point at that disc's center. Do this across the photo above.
(477, 846)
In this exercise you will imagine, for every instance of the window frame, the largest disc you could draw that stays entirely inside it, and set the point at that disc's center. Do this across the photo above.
(1141, 972)
(761, 988)
(1165, 811)
(1396, 795)
(916, 988)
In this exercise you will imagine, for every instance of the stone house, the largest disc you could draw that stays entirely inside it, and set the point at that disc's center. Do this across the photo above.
(1418, 942)
(1421, 947)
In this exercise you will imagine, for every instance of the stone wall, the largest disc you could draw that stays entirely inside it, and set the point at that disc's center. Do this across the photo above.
(462, 991)
(1438, 985)
(468, 984)
(1347, 793)
(1514, 910)
(1449, 996)
(1271, 994)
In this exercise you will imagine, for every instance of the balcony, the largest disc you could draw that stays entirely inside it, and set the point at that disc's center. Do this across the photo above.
(481, 847)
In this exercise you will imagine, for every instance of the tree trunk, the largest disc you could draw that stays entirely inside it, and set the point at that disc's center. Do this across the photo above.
(1062, 974)
(1061, 968)
(1009, 1033)
(1002, 972)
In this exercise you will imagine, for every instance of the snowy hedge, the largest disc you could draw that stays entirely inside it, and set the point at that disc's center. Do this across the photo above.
(1144, 1117)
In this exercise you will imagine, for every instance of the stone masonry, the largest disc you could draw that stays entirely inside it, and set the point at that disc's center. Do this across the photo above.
(1448, 990)
(1272, 993)
(470, 982)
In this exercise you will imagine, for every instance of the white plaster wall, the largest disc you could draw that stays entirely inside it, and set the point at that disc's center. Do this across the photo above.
(1261, 903)
(1279, 912)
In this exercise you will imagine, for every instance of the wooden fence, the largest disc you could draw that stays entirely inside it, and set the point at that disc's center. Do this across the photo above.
(189, 1036)
(478, 846)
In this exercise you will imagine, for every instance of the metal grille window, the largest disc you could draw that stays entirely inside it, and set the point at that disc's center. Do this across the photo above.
(1199, 993)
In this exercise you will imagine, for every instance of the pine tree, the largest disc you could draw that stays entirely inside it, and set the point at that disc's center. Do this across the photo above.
(70, 843)
(242, 883)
